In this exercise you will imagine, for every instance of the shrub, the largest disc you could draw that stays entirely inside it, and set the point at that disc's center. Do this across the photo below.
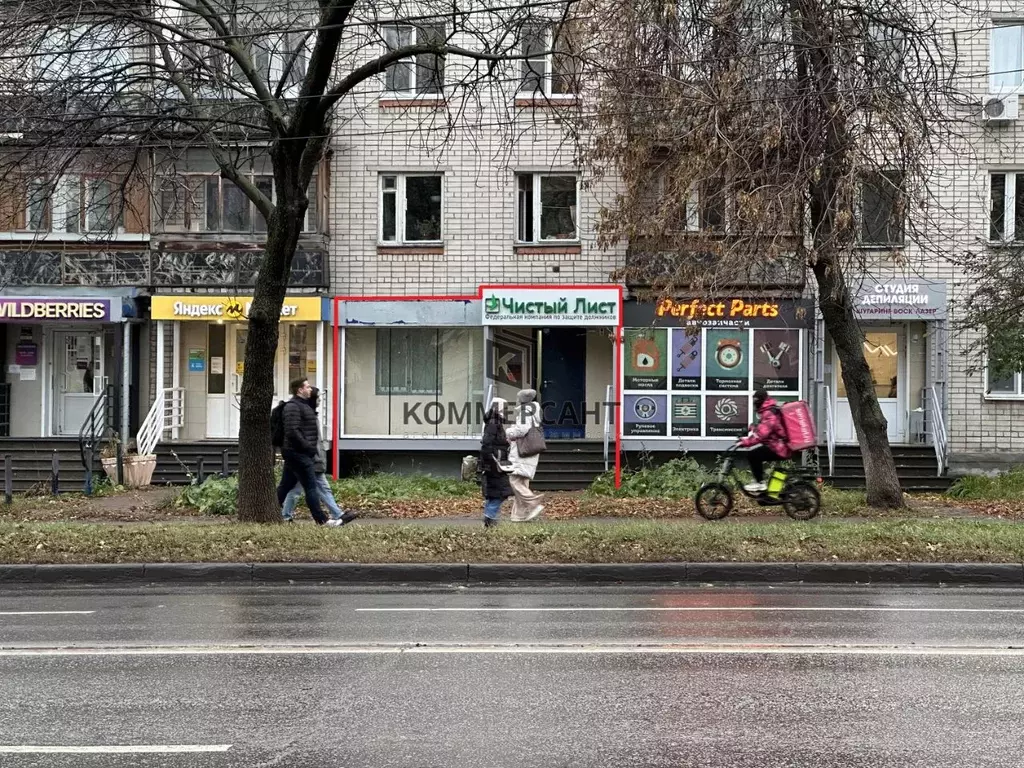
(1007, 485)
(216, 496)
(675, 479)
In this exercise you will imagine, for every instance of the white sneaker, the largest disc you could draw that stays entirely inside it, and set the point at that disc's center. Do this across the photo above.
(537, 510)
(755, 487)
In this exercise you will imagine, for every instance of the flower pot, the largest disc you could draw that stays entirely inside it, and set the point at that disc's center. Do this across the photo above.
(138, 470)
(110, 468)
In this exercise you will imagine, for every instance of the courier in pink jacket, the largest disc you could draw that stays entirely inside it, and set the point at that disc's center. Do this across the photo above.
(767, 440)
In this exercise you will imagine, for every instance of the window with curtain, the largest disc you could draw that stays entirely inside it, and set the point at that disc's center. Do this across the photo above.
(408, 361)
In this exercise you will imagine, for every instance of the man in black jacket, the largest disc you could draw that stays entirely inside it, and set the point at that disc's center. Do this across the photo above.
(300, 449)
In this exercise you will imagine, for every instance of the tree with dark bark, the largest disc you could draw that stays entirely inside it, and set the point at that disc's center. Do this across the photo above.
(754, 141)
(129, 85)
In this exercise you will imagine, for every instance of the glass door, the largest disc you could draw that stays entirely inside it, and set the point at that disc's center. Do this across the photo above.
(80, 378)
(239, 339)
(884, 351)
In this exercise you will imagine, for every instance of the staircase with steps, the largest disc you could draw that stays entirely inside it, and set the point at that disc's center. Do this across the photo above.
(570, 465)
(916, 467)
(32, 463)
(176, 460)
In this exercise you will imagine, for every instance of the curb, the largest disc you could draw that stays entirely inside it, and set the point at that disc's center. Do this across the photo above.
(516, 573)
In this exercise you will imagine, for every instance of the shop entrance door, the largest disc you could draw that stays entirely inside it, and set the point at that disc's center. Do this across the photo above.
(238, 337)
(79, 378)
(885, 350)
(563, 387)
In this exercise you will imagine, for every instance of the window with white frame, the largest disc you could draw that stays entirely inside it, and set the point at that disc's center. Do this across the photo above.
(73, 204)
(410, 208)
(547, 207)
(885, 52)
(422, 74)
(1006, 199)
(212, 203)
(275, 53)
(1006, 58)
(408, 361)
(881, 209)
(84, 53)
(550, 68)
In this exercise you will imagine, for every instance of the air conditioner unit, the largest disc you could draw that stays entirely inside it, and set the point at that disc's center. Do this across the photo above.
(1001, 108)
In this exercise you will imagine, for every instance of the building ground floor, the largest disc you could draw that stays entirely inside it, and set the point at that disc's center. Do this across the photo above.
(63, 354)
(405, 381)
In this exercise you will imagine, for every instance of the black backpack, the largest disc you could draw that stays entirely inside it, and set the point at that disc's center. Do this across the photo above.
(277, 425)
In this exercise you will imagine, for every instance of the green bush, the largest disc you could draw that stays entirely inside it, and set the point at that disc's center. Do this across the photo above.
(385, 486)
(216, 496)
(1008, 486)
(675, 479)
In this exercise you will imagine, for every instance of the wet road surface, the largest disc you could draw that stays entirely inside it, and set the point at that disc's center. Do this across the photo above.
(536, 676)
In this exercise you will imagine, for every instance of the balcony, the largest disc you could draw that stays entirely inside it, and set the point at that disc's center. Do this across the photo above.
(646, 268)
(153, 269)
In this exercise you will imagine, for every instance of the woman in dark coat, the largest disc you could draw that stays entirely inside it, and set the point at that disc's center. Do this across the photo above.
(494, 448)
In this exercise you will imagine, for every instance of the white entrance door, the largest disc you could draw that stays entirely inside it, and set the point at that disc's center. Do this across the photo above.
(885, 351)
(79, 377)
(238, 337)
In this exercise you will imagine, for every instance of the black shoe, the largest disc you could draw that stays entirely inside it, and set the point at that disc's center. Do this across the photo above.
(490, 522)
(348, 517)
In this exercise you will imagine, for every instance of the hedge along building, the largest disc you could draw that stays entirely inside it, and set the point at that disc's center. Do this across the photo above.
(416, 373)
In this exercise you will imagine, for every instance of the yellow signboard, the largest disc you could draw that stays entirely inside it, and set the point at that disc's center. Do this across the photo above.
(299, 309)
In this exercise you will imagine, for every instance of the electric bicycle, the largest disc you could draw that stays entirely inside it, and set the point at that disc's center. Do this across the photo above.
(794, 489)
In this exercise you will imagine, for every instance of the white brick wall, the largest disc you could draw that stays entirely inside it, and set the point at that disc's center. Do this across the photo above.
(484, 149)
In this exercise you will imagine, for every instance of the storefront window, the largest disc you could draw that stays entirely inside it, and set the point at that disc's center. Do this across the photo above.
(413, 382)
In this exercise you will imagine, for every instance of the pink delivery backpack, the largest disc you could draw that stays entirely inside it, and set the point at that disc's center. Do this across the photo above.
(798, 425)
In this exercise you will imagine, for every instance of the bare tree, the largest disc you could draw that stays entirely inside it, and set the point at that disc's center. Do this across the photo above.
(135, 84)
(748, 136)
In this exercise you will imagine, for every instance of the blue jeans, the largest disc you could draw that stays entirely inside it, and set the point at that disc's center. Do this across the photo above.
(298, 469)
(326, 498)
(492, 508)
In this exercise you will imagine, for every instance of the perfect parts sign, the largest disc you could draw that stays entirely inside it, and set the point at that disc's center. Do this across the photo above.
(559, 305)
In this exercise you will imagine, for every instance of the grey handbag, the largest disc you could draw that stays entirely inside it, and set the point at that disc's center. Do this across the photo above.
(532, 443)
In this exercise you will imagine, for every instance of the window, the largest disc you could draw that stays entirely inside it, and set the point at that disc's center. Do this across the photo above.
(547, 208)
(425, 73)
(550, 67)
(274, 53)
(410, 209)
(881, 209)
(79, 53)
(210, 203)
(1006, 58)
(885, 50)
(1006, 196)
(408, 362)
(72, 205)
(104, 211)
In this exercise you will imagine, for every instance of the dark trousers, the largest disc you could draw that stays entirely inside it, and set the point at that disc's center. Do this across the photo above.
(298, 468)
(757, 457)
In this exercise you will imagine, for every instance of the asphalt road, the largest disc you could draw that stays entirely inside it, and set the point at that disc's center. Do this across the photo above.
(306, 677)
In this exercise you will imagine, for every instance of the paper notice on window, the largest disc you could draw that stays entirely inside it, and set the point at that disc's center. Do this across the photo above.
(217, 366)
(28, 374)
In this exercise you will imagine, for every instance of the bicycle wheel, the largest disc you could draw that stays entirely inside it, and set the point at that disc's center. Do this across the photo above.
(802, 501)
(713, 501)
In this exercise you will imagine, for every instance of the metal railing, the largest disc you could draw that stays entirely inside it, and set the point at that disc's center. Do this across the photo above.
(5, 410)
(167, 412)
(937, 425)
(830, 429)
(607, 423)
(95, 427)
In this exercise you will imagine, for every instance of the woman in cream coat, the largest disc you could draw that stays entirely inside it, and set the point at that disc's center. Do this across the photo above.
(525, 504)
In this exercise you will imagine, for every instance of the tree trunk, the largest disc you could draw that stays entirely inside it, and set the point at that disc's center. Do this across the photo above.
(257, 495)
(883, 485)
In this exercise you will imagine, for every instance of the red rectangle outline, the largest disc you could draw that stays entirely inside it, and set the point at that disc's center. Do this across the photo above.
(616, 349)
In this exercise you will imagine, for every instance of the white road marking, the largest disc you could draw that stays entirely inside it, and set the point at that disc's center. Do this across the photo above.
(45, 613)
(527, 648)
(140, 749)
(697, 609)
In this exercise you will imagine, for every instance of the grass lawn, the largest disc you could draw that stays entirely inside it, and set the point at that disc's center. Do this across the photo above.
(625, 542)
